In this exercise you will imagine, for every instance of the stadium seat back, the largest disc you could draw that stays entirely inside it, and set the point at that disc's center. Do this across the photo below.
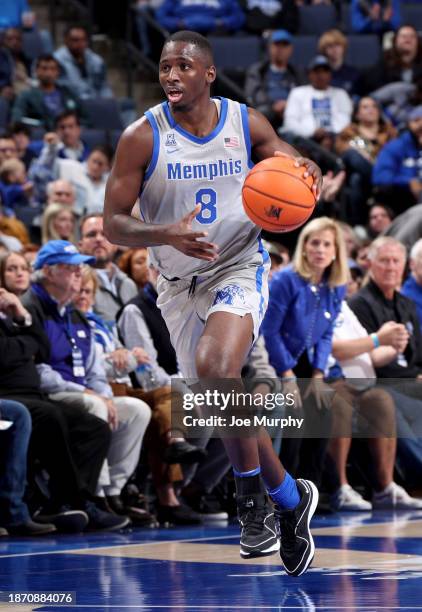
(411, 14)
(36, 42)
(103, 113)
(235, 52)
(93, 137)
(4, 112)
(364, 50)
(304, 49)
(317, 18)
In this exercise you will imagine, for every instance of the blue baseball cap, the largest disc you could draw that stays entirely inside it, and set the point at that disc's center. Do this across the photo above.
(319, 61)
(60, 251)
(281, 36)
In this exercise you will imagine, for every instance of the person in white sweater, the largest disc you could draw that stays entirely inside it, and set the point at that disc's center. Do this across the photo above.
(317, 110)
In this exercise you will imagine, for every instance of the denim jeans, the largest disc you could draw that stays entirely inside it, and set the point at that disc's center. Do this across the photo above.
(13, 451)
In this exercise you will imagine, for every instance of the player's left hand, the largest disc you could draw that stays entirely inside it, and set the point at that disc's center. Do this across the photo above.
(311, 169)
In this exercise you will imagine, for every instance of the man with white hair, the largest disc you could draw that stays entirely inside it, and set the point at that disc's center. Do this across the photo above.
(380, 301)
(61, 192)
(412, 288)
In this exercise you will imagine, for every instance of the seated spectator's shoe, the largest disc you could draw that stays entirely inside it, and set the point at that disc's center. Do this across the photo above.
(297, 547)
(30, 528)
(395, 497)
(139, 516)
(259, 536)
(183, 452)
(3, 532)
(177, 515)
(65, 519)
(99, 520)
(208, 507)
(346, 498)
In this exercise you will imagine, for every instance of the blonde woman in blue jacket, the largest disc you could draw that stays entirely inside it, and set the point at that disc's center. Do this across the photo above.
(304, 302)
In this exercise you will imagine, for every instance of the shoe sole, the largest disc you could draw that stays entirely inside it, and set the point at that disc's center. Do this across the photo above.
(311, 552)
(262, 553)
(71, 522)
(121, 525)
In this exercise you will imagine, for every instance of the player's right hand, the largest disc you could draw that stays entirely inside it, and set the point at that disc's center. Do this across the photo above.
(181, 237)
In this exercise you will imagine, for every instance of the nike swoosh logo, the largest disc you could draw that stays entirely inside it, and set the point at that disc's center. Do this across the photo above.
(172, 151)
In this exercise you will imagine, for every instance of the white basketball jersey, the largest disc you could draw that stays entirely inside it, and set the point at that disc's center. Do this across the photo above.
(185, 171)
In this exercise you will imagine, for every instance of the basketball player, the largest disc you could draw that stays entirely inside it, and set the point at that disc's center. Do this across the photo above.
(189, 157)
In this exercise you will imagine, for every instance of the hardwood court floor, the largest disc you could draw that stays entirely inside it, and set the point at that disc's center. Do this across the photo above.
(364, 561)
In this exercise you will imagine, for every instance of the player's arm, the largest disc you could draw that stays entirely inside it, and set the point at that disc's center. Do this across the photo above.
(265, 143)
(132, 157)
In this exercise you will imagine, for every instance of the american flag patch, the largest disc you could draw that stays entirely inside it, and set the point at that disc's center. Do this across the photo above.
(233, 141)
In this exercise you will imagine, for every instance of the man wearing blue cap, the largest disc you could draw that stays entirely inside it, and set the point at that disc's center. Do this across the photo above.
(269, 83)
(73, 375)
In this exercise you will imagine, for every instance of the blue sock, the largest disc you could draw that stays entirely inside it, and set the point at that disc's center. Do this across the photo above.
(286, 495)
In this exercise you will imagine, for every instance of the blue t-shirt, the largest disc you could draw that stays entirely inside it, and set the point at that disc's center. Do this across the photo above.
(278, 84)
(54, 102)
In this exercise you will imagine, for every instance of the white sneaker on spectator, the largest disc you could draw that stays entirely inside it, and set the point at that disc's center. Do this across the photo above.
(395, 497)
(346, 498)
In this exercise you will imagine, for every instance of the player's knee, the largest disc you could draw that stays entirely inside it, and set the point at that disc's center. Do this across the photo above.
(217, 365)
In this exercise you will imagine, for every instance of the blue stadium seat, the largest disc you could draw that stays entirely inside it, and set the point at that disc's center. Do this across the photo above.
(114, 136)
(364, 50)
(317, 18)
(235, 52)
(411, 14)
(103, 113)
(4, 113)
(304, 49)
(94, 137)
(346, 20)
(36, 42)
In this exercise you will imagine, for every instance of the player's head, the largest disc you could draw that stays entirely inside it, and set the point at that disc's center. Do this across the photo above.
(186, 69)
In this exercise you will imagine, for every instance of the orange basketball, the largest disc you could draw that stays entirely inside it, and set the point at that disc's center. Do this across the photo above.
(276, 196)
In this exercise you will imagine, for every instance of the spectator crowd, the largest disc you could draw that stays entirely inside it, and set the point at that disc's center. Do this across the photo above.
(86, 361)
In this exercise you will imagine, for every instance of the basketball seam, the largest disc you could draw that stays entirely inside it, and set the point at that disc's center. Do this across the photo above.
(274, 224)
(278, 199)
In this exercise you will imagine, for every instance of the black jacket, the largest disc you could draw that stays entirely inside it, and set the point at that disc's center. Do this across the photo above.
(256, 89)
(287, 18)
(20, 348)
(372, 309)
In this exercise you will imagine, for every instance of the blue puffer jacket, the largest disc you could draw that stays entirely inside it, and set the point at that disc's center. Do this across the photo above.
(363, 24)
(300, 317)
(200, 16)
(399, 161)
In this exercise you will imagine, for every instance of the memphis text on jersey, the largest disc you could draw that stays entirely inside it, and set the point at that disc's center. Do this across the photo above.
(179, 171)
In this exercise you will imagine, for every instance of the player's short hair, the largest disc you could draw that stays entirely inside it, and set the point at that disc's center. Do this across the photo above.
(193, 38)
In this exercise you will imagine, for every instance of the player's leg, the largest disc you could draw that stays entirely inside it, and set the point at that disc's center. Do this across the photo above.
(222, 350)
(221, 353)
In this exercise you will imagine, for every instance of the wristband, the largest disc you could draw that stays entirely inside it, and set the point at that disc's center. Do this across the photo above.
(288, 378)
(375, 340)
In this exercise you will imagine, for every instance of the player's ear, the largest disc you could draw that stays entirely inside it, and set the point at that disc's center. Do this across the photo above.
(211, 74)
